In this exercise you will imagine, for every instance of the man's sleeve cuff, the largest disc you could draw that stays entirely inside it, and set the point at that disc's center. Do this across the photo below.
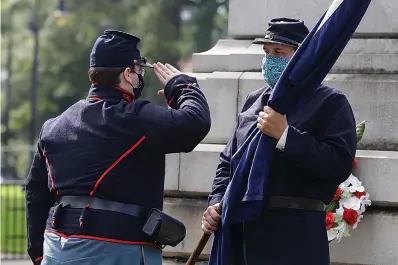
(282, 141)
(38, 260)
(214, 200)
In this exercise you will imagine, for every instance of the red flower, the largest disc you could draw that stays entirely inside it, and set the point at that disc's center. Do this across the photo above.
(350, 216)
(329, 220)
(359, 194)
(339, 191)
(355, 164)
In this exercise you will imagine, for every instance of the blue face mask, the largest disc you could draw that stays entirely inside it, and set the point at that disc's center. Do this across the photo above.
(272, 68)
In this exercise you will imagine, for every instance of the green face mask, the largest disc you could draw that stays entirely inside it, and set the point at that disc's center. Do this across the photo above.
(272, 68)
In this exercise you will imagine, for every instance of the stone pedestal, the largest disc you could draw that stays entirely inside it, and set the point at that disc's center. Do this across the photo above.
(249, 18)
(366, 72)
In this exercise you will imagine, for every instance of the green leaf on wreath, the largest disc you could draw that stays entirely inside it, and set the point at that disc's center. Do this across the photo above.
(338, 217)
(360, 131)
(332, 206)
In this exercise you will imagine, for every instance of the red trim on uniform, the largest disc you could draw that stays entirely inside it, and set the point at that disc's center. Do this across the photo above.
(115, 163)
(38, 259)
(49, 172)
(124, 91)
(95, 98)
(104, 239)
(127, 95)
(171, 100)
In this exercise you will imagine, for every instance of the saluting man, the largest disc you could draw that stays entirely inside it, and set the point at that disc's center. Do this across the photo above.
(315, 152)
(100, 165)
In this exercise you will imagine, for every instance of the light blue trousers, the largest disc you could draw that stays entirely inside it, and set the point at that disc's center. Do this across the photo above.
(77, 251)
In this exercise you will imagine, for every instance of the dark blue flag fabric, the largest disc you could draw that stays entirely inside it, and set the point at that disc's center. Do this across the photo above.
(244, 197)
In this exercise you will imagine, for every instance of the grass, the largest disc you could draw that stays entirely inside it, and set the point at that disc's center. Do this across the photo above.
(13, 225)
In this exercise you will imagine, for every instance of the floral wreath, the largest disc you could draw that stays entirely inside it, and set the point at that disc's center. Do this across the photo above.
(349, 203)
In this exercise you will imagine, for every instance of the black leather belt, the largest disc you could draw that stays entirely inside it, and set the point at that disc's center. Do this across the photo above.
(296, 203)
(100, 204)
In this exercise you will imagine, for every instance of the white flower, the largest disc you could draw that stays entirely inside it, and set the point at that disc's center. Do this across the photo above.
(346, 192)
(338, 231)
(359, 219)
(356, 188)
(340, 210)
(353, 184)
(351, 203)
(342, 186)
(342, 231)
(332, 233)
(365, 202)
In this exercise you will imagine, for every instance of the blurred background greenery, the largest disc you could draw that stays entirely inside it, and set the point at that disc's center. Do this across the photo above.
(60, 34)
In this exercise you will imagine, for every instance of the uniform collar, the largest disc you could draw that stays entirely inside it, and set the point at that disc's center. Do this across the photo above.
(99, 92)
(267, 89)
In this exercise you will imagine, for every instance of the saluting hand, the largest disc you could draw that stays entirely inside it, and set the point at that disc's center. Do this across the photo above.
(164, 73)
(272, 123)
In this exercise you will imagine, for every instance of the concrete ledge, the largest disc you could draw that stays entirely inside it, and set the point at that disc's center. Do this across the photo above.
(359, 56)
(379, 172)
(373, 239)
(257, 13)
(188, 211)
(373, 98)
(220, 87)
(198, 168)
(172, 173)
(377, 169)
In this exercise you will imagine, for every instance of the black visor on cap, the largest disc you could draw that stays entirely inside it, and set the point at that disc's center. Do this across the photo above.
(286, 31)
(142, 62)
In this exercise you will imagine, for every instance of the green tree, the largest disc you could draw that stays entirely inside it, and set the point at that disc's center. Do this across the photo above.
(171, 30)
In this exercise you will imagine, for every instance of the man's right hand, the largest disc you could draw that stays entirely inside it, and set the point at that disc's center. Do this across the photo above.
(164, 73)
(210, 219)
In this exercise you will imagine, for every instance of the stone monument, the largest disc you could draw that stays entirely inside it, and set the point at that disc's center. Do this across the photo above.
(366, 72)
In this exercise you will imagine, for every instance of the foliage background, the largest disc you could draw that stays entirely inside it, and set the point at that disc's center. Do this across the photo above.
(170, 31)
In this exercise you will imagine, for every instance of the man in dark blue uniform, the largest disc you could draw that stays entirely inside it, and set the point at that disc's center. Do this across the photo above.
(315, 153)
(99, 169)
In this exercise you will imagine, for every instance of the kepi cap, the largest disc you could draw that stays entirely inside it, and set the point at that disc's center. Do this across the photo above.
(286, 31)
(117, 49)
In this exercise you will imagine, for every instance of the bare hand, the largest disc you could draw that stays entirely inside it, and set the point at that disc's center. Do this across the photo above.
(164, 73)
(210, 219)
(272, 123)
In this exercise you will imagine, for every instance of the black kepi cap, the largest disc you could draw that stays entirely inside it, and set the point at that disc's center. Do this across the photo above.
(286, 31)
(117, 49)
